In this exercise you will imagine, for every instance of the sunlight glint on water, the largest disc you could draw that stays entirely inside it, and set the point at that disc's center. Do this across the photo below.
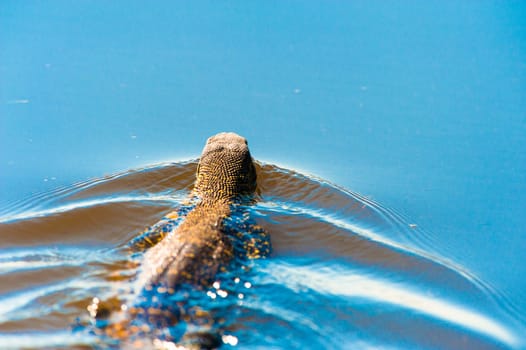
(353, 284)
(306, 217)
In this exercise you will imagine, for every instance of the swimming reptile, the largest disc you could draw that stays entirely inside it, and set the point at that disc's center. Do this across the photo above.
(200, 248)
(203, 244)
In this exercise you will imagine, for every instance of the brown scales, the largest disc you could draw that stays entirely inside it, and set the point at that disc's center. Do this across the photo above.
(199, 248)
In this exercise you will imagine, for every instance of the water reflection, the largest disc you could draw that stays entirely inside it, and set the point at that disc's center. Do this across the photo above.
(344, 282)
(345, 272)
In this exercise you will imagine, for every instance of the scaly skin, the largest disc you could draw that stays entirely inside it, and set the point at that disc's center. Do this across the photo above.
(200, 246)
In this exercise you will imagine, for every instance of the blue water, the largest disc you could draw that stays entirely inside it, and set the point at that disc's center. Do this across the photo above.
(417, 105)
(344, 272)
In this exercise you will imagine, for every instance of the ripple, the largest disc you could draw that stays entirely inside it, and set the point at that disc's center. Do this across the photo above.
(346, 272)
(174, 199)
(38, 258)
(20, 304)
(45, 340)
(354, 284)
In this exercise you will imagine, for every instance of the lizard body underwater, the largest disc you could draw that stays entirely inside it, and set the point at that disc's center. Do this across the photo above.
(187, 250)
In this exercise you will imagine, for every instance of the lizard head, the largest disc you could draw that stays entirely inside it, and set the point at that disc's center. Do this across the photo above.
(225, 169)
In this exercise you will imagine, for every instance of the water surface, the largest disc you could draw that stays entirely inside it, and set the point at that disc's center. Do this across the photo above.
(415, 105)
(344, 271)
